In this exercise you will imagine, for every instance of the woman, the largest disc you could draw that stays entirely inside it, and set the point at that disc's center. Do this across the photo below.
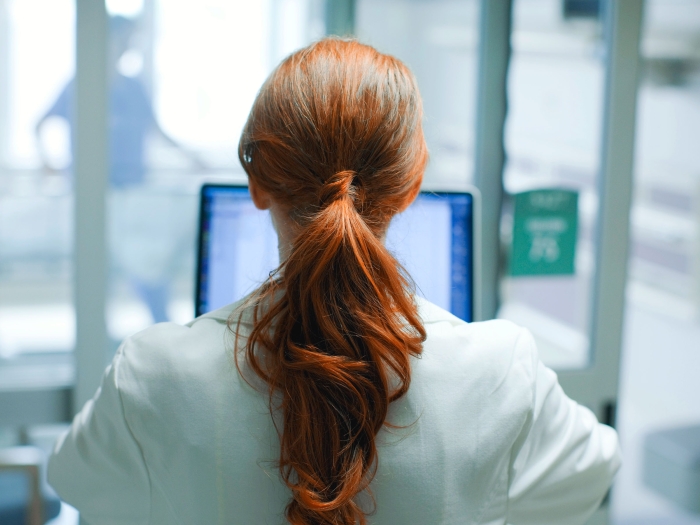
(333, 395)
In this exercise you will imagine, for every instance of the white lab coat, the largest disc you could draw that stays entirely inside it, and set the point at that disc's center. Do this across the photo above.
(175, 436)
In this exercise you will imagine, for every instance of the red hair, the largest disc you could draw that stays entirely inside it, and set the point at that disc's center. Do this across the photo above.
(335, 137)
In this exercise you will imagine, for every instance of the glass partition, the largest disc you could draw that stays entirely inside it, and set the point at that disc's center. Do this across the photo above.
(552, 137)
(36, 311)
(659, 383)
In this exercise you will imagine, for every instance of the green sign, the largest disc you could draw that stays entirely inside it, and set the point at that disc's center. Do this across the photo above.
(545, 229)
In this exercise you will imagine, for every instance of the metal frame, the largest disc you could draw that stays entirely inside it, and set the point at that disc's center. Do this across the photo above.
(489, 156)
(477, 269)
(91, 169)
(340, 17)
(4, 80)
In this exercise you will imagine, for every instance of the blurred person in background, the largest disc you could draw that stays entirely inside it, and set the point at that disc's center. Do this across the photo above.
(143, 253)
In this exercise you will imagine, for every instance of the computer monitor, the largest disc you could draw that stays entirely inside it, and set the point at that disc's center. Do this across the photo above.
(434, 239)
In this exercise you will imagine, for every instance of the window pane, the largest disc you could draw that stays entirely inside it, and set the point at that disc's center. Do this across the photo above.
(553, 129)
(658, 384)
(36, 310)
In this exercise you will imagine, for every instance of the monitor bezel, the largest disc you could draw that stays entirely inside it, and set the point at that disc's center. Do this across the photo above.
(463, 190)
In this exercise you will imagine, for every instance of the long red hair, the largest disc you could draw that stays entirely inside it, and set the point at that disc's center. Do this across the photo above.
(335, 137)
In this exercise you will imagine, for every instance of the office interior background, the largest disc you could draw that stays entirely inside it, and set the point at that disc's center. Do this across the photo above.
(518, 95)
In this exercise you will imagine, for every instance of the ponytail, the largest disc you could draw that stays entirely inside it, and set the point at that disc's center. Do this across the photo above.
(334, 331)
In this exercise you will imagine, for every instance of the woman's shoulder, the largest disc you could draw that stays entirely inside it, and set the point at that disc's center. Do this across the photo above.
(172, 352)
(490, 336)
(172, 378)
(496, 351)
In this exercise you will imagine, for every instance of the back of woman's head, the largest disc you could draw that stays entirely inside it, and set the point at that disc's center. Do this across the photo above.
(335, 139)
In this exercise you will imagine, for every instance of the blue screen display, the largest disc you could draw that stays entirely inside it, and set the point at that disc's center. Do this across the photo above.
(432, 239)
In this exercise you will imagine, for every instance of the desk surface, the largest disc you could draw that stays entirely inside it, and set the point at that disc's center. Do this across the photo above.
(37, 372)
(36, 389)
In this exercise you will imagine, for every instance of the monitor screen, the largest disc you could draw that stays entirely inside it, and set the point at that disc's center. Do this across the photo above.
(433, 240)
